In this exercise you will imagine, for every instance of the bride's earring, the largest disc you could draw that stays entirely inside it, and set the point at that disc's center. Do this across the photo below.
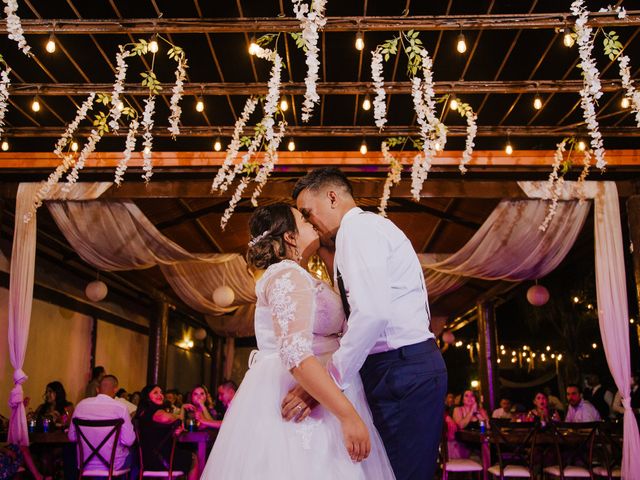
(296, 253)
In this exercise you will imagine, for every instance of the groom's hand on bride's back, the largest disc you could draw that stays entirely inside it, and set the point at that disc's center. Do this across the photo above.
(297, 404)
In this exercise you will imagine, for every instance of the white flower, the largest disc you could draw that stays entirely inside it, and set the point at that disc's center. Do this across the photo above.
(147, 136)
(591, 89)
(43, 191)
(178, 88)
(234, 145)
(5, 81)
(129, 147)
(73, 126)
(586, 163)
(393, 177)
(472, 129)
(14, 26)
(273, 95)
(233, 202)
(271, 158)
(554, 185)
(87, 150)
(379, 104)
(312, 20)
(118, 87)
(631, 93)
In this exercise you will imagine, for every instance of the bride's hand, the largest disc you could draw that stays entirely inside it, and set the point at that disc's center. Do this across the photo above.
(356, 437)
(297, 404)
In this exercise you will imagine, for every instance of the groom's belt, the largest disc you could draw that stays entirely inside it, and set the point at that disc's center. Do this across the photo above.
(407, 351)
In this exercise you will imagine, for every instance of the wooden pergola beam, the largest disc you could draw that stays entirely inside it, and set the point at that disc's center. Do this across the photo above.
(346, 131)
(334, 24)
(323, 88)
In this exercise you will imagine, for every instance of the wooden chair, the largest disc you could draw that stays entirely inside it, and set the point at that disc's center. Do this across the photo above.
(84, 446)
(577, 438)
(607, 446)
(169, 472)
(455, 465)
(515, 445)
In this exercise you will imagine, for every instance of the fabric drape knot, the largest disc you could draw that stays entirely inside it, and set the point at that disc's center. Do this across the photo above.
(16, 397)
(626, 403)
(19, 376)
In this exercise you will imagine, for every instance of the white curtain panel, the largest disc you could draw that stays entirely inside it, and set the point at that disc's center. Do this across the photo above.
(611, 291)
(23, 256)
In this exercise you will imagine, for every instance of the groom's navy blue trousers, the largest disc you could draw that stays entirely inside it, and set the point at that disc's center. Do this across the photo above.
(405, 389)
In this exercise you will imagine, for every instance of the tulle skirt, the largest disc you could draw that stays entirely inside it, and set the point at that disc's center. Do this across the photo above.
(256, 443)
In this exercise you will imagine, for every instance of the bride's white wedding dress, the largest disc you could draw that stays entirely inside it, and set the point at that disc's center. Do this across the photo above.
(297, 316)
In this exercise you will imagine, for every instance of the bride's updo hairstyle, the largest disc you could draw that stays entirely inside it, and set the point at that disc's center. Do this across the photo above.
(267, 226)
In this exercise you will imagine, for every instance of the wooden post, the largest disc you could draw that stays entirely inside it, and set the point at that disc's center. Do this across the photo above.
(487, 338)
(218, 363)
(158, 341)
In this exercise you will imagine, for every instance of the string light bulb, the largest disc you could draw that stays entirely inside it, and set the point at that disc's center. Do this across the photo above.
(284, 105)
(74, 146)
(359, 41)
(35, 105)
(582, 146)
(291, 146)
(217, 145)
(453, 104)
(153, 45)
(363, 148)
(625, 103)
(51, 44)
(120, 105)
(568, 39)
(253, 47)
(461, 44)
(508, 149)
(537, 103)
(366, 103)
(199, 105)
(4, 146)
(146, 150)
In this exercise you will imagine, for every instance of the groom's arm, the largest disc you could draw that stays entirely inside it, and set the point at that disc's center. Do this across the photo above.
(364, 266)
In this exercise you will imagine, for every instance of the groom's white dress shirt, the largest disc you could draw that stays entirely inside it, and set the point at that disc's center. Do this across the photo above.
(385, 287)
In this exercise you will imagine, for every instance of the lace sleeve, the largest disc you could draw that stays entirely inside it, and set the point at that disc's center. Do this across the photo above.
(292, 300)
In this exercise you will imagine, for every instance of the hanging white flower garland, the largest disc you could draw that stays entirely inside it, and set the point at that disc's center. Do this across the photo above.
(592, 89)
(379, 103)
(312, 20)
(5, 82)
(177, 91)
(129, 147)
(89, 147)
(147, 136)
(118, 87)
(393, 177)
(554, 185)
(81, 114)
(630, 91)
(14, 26)
(472, 129)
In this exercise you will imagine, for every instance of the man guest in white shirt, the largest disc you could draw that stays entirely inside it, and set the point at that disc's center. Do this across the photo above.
(579, 410)
(387, 340)
(105, 407)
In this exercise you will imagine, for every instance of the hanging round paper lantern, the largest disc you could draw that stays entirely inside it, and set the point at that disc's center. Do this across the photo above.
(223, 296)
(448, 337)
(537, 295)
(200, 334)
(96, 291)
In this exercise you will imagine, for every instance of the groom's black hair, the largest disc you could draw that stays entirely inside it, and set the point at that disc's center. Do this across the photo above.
(320, 177)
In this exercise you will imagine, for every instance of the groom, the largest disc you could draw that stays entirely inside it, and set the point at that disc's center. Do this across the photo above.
(387, 340)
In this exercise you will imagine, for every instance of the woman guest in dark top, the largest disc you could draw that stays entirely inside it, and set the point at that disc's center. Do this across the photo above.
(55, 405)
(156, 428)
(470, 412)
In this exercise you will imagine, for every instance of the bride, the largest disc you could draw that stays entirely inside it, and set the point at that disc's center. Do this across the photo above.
(298, 323)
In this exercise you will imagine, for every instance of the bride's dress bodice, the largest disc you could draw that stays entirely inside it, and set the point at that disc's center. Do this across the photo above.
(296, 315)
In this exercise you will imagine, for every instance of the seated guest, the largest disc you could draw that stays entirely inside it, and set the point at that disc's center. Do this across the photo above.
(157, 427)
(123, 398)
(596, 394)
(135, 398)
(554, 402)
(226, 392)
(579, 410)
(171, 400)
(105, 407)
(617, 407)
(122, 393)
(55, 406)
(198, 397)
(541, 410)
(91, 389)
(449, 403)
(504, 412)
(470, 413)
(455, 449)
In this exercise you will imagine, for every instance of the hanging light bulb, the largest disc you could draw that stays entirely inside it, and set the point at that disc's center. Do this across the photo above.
(35, 105)
(146, 150)
(537, 103)
(217, 145)
(284, 105)
(253, 47)
(74, 146)
(4, 146)
(363, 148)
(153, 45)
(624, 103)
(582, 146)
(199, 105)
(359, 41)
(291, 146)
(366, 103)
(120, 105)
(508, 148)
(51, 44)
(461, 44)
(568, 39)
(453, 104)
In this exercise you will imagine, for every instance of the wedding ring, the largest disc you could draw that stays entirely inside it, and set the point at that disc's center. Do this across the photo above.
(299, 407)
